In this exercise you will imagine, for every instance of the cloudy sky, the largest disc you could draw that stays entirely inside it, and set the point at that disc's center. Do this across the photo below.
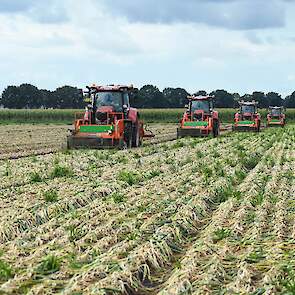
(238, 45)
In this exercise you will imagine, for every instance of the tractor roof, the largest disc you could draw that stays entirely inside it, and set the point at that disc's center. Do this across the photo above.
(200, 97)
(112, 87)
(275, 108)
(248, 103)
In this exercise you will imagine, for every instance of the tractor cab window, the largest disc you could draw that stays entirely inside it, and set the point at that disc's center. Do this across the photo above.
(248, 109)
(275, 112)
(110, 98)
(126, 99)
(203, 105)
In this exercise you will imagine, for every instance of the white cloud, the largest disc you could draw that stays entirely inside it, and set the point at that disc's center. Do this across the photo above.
(67, 43)
(232, 14)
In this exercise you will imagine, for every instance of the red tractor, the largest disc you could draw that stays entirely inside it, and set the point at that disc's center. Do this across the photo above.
(108, 121)
(199, 118)
(248, 118)
(276, 117)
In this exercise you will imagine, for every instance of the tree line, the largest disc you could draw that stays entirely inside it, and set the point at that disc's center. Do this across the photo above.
(149, 96)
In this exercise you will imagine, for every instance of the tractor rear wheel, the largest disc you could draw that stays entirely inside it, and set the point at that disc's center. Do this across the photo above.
(136, 140)
(258, 127)
(215, 128)
(178, 133)
(128, 135)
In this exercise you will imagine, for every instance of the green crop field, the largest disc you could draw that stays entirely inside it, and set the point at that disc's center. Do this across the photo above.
(148, 115)
(187, 216)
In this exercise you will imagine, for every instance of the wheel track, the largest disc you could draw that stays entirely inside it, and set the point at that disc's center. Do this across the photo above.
(170, 136)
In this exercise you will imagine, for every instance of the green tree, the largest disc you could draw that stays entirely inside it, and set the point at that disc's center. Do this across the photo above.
(20, 97)
(223, 99)
(290, 101)
(274, 99)
(67, 97)
(31, 96)
(201, 93)
(175, 97)
(11, 97)
(47, 99)
(236, 98)
(150, 96)
(261, 98)
(246, 97)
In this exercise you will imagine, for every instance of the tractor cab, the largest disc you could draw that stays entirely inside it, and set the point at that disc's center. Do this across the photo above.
(247, 118)
(107, 103)
(248, 109)
(200, 104)
(275, 111)
(108, 120)
(199, 118)
(276, 116)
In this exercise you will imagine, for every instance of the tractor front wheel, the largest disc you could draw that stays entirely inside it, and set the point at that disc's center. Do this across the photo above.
(215, 128)
(128, 135)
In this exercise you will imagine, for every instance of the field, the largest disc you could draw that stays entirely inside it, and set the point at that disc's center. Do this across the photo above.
(189, 216)
(19, 141)
(148, 115)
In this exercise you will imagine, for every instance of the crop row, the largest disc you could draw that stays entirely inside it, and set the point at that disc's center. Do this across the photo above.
(247, 242)
(148, 115)
(95, 221)
(129, 278)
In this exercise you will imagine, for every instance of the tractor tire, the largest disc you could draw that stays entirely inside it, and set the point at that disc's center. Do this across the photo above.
(215, 128)
(258, 127)
(136, 140)
(178, 133)
(69, 143)
(127, 135)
